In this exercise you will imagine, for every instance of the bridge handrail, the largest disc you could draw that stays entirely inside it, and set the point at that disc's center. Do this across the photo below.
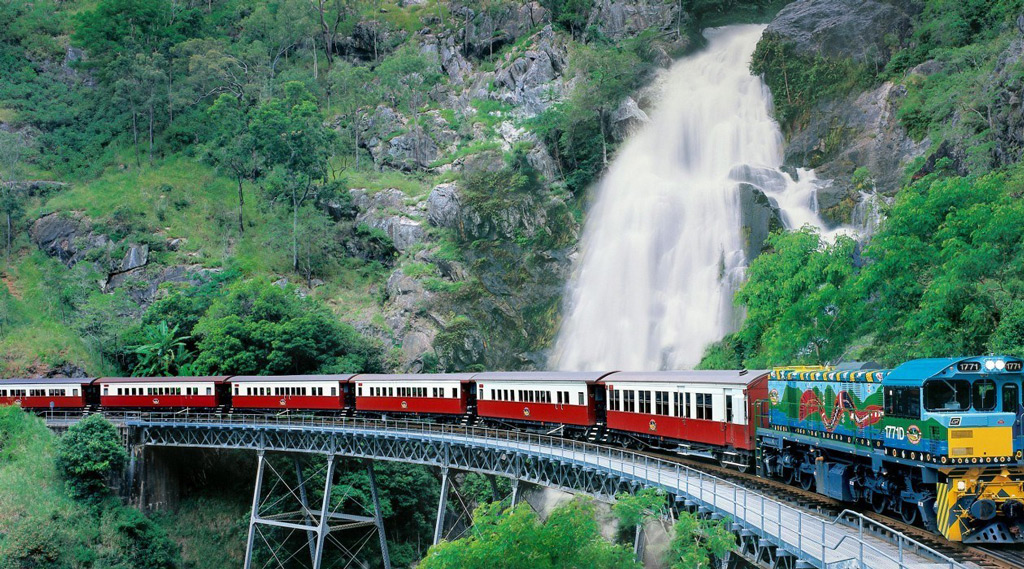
(646, 464)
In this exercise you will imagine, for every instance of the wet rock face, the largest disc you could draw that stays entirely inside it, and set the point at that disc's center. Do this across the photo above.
(386, 210)
(620, 19)
(627, 118)
(858, 131)
(854, 29)
(759, 216)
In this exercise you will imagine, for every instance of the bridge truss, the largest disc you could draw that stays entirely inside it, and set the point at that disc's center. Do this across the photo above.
(772, 534)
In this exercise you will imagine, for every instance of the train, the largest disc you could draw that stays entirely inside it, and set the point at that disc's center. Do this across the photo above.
(939, 442)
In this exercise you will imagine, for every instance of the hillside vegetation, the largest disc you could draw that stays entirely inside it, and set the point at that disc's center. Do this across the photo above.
(415, 169)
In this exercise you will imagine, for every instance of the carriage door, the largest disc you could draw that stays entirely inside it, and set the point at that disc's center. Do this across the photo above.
(730, 418)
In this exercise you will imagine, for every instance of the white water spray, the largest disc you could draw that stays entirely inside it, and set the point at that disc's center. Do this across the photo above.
(662, 251)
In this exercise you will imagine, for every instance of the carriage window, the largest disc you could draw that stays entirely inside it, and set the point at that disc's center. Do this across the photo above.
(630, 401)
(209, 391)
(728, 409)
(903, 402)
(580, 394)
(704, 408)
(645, 402)
(675, 405)
(984, 395)
(334, 391)
(687, 415)
(947, 395)
(1011, 398)
(455, 392)
(661, 402)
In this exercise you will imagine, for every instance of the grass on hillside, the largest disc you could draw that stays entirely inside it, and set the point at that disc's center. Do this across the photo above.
(27, 454)
(176, 197)
(34, 335)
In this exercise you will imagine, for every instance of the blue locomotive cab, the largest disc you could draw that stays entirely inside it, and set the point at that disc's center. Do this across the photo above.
(969, 410)
(970, 424)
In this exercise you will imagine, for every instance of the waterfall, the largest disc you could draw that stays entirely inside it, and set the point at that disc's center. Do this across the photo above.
(662, 251)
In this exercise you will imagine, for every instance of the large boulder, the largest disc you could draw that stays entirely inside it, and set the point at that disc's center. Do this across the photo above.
(56, 235)
(856, 29)
(759, 217)
(386, 210)
(443, 207)
(410, 151)
(627, 118)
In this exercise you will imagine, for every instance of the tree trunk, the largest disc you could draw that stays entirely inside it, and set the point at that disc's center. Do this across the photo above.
(316, 63)
(295, 231)
(241, 202)
(135, 138)
(355, 129)
(150, 135)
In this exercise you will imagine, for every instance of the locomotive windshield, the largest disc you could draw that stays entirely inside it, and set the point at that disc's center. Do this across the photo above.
(947, 395)
(984, 395)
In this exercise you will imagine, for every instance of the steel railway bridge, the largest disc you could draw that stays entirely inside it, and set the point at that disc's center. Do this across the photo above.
(771, 534)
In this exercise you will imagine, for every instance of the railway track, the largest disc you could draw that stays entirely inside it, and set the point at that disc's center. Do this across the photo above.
(991, 557)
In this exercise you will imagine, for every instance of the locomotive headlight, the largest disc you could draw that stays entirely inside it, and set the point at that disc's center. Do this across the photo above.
(1000, 365)
(990, 365)
(960, 486)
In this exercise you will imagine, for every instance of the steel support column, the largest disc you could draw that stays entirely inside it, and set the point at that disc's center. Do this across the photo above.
(253, 515)
(442, 505)
(515, 492)
(378, 517)
(304, 502)
(325, 514)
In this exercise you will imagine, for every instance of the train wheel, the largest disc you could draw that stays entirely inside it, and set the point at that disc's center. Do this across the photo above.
(875, 500)
(806, 480)
(909, 511)
(788, 475)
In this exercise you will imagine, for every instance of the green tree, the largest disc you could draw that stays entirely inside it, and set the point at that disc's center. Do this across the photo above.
(163, 353)
(233, 147)
(130, 539)
(696, 542)
(354, 89)
(88, 454)
(605, 76)
(570, 537)
(289, 136)
(635, 509)
(261, 329)
(802, 300)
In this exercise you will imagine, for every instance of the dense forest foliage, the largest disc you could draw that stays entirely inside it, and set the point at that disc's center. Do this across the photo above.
(943, 275)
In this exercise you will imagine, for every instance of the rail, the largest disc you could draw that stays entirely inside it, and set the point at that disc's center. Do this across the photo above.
(801, 533)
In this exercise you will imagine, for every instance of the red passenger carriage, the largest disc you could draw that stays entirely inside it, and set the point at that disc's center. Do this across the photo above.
(45, 393)
(705, 412)
(292, 392)
(549, 397)
(163, 392)
(431, 393)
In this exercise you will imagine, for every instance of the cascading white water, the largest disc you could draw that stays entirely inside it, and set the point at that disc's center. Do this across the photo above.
(662, 251)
